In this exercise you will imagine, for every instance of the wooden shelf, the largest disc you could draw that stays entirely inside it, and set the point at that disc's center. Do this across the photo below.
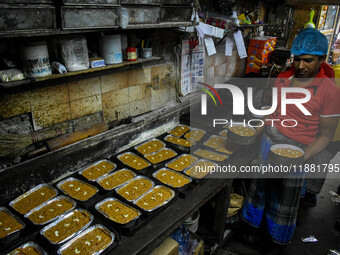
(28, 82)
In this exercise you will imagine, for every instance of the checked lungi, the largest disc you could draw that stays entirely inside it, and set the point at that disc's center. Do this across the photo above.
(276, 201)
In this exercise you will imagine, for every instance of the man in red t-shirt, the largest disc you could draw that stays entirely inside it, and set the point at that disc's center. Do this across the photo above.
(274, 202)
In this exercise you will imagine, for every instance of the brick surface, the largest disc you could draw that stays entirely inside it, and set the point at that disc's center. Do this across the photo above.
(49, 96)
(135, 93)
(115, 98)
(114, 81)
(139, 76)
(118, 112)
(84, 88)
(15, 104)
(49, 116)
(140, 106)
(85, 106)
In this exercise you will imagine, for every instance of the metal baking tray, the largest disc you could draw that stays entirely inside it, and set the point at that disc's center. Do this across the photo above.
(13, 235)
(42, 232)
(224, 133)
(132, 180)
(175, 172)
(180, 125)
(48, 202)
(212, 137)
(128, 224)
(193, 177)
(75, 179)
(96, 163)
(242, 140)
(109, 175)
(148, 141)
(179, 146)
(156, 165)
(30, 244)
(11, 204)
(193, 129)
(165, 202)
(182, 155)
(65, 246)
(120, 155)
(212, 152)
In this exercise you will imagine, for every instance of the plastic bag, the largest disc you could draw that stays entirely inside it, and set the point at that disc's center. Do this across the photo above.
(123, 14)
(59, 67)
(181, 235)
(11, 75)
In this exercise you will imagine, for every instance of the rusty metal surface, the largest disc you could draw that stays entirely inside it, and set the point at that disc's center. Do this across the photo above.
(177, 2)
(152, 2)
(88, 17)
(143, 14)
(175, 14)
(91, 2)
(26, 1)
(25, 16)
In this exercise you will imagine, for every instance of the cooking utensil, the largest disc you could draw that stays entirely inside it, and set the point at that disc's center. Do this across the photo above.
(12, 145)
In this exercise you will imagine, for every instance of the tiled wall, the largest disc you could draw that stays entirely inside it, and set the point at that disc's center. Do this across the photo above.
(219, 68)
(117, 96)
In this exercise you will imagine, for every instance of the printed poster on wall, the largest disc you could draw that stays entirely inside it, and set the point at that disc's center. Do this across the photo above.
(194, 72)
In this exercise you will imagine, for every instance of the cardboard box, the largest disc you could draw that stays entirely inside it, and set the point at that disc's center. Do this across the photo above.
(199, 250)
(168, 247)
(263, 42)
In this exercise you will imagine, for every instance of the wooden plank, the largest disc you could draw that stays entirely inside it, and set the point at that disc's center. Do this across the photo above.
(91, 70)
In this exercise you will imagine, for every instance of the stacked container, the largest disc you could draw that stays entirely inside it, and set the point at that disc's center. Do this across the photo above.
(259, 52)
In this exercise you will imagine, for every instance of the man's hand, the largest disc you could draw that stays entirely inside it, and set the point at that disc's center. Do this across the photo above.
(327, 129)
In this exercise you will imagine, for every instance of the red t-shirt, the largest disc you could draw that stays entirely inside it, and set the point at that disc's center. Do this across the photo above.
(324, 102)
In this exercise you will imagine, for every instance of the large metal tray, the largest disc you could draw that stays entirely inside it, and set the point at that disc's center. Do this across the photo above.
(137, 147)
(113, 236)
(134, 179)
(175, 172)
(12, 203)
(120, 155)
(160, 205)
(94, 164)
(125, 225)
(49, 202)
(109, 175)
(30, 244)
(196, 178)
(75, 179)
(182, 155)
(13, 235)
(42, 232)
(157, 164)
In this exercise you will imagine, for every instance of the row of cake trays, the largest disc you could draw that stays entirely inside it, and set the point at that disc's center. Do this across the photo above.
(60, 218)
(69, 212)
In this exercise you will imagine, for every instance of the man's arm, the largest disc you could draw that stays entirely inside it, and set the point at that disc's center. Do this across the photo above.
(327, 129)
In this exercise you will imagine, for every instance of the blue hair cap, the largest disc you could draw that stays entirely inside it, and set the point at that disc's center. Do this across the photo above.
(310, 41)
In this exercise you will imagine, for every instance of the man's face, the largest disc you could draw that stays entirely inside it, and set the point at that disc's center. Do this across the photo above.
(307, 66)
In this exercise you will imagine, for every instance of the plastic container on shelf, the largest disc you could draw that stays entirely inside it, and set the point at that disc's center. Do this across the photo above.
(36, 62)
(74, 53)
(111, 49)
